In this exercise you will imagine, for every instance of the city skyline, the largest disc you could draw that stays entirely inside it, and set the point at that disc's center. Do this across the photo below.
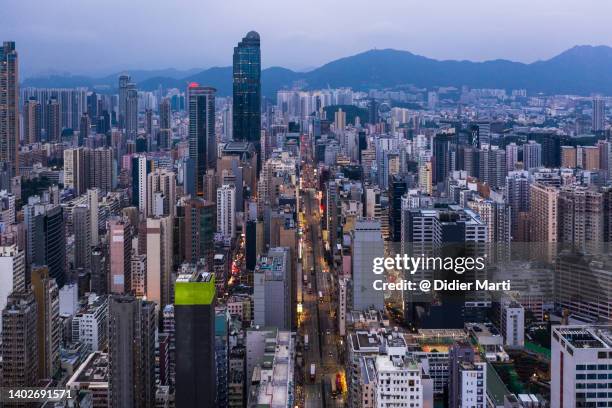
(387, 231)
(319, 34)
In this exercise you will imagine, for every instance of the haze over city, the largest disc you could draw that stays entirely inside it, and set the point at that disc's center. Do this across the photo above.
(102, 37)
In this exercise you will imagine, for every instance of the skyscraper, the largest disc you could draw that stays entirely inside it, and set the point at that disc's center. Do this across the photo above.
(47, 239)
(124, 80)
(199, 230)
(19, 347)
(442, 157)
(81, 224)
(48, 322)
(599, 114)
(247, 90)
(159, 259)
(161, 193)
(202, 141)
(9, 108)
(165, 124)
(272, 290)
(84, 128)
(120, 253)
(226, 210)
(12, 273)
(532, 155)
(367, 245)
(53, 125)
(131, 111)
(75, 171)
(140, 168)
(131, 348)
(543, 213)
(32, 121)
(194, 311)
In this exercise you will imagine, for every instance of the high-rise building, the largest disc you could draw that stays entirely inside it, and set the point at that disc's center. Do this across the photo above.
(81, 225)
(131, 347)
(581, 218)
(90, 324)
(246, 102)
(532, 155)
(397, 188)
(492, 167)
(19, 346)
(165, 125)
(199, 230)
(202, 139)
(141, 167)
(131, 112)
(194, 316)
(12, 273)
(161, 193)
(442, 160)
(159, 260)
(53, 125)
(124, 80)
(581, 359)
(9, 106)
(226, 210)
(517, 197)
(120, 243)
(48, 329)
(75, 170)
(543, 213)
(47, 239)
(599, 115)
(568, 157)
(99, 166)
(367, 245)
(32, 121)
(84, 128)
(511, 156)
(272, 289)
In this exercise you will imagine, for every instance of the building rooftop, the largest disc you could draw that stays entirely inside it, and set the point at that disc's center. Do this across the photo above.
(95, 369)
(586, 337)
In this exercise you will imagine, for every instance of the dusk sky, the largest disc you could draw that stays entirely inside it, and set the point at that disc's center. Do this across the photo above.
(101, 37)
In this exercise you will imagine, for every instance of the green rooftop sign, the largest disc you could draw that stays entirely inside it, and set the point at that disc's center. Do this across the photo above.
(194, 293)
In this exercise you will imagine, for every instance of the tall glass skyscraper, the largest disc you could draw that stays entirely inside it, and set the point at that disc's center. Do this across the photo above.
(9, 99)
(202, 141)
(247, 91)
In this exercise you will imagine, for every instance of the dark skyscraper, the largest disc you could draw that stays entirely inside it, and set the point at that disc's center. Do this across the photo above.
(194, 311)
(54, 127)
(131, 327)
(247, 90)
(202, 142)
(124, 80)
(9, 109)
(442, 155)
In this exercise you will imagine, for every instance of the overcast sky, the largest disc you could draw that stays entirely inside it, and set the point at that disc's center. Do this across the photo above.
(100, 37)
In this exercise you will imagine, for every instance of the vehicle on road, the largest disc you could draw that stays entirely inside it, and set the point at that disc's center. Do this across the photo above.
(334, 388)
(320, 297)
(306, 346)
(313, 372)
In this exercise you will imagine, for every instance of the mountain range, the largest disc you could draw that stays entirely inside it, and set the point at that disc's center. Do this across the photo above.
(581, 70)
